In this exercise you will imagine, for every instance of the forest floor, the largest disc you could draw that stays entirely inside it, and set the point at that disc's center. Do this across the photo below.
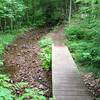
(22, 61)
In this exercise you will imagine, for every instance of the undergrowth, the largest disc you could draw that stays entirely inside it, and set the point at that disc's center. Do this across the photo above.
(46, 53)
(6, 38)
(22, 90)
(19, 91)
(15, 91)
(84, 43)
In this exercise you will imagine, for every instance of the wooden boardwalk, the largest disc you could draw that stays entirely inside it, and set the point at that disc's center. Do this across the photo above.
(66, 80)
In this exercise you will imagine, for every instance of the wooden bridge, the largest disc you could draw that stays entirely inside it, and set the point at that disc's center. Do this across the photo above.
(66, 79)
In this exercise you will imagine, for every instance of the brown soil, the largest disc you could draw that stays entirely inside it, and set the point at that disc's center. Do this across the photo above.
(22, 61)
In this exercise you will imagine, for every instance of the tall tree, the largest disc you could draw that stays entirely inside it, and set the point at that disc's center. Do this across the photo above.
(70, 11)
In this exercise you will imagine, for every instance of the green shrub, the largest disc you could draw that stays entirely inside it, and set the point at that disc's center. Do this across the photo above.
(5, 88)
(45, 42)
(39, 18)
(46, 57)
(1, 48)
(85, 57)
(90, 34)
(34, 94)
(95, 51)
(4, 81)
(5, 94)
(8, 90)
(74, 32)
(86, 49)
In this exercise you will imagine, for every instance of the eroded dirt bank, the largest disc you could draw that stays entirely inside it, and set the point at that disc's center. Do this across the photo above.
(23, 64)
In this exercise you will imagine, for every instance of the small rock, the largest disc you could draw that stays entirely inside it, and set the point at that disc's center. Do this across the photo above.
(41, 86)
(18, 54)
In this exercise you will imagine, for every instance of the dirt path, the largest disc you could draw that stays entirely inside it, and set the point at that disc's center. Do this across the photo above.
(22, 61)
(66, 80)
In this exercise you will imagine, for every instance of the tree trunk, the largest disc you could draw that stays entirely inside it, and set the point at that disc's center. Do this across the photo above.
(70, 11)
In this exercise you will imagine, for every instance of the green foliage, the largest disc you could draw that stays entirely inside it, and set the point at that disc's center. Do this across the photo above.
(21, 85)
(17, 13)
(4, 81)
(87, 1)
(52, 98)
(10, 12)
(1, 48)
(5, 88)
(86, 50)
(1, 63)
(45, 42)
(75, 32)
(97, 98)
(34, 94)
(89, 9)
(46, 57)
(5, 94)
(39, 18)
(46, 54)
(1, 51)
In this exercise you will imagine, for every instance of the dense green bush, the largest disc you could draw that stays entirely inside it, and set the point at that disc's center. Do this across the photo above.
(74, 32)
(32, 93)
(85, 47)
(39, 18)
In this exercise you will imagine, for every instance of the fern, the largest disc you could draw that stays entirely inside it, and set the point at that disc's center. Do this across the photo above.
(34, 93)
